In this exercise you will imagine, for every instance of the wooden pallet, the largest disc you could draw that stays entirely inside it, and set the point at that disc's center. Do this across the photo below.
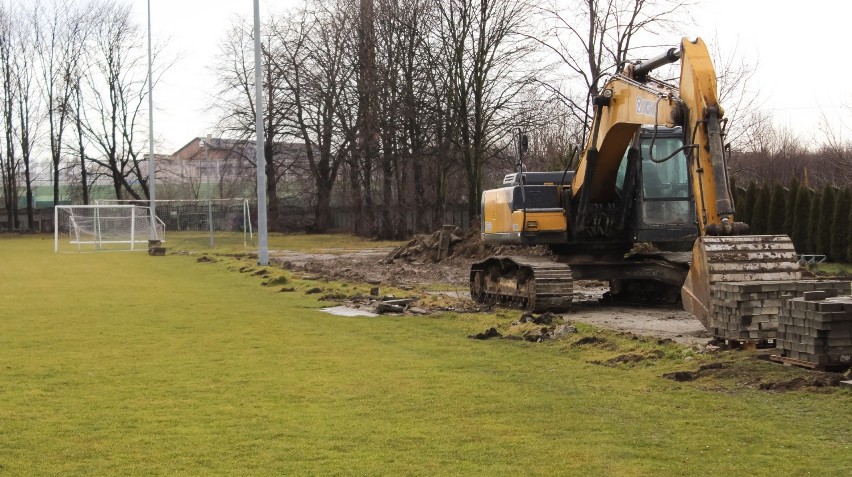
(745, 344)
(835, 367)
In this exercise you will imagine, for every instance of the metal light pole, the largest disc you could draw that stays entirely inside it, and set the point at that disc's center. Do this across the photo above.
(151, 179)
(262, 241)
(209, 190)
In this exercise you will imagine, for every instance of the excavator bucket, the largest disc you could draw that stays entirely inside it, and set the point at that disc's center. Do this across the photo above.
(743, 258)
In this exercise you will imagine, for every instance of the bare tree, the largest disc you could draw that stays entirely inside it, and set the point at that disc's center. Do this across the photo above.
(380, 114)
(421, 110)
(237, 108)
(365, 151)
(78, 113)
(737, 93)
(553, 135)
(315, 63)
(116, 93)
(26, 105)
(836, 151)
(60, 31)
(484, 60)
(398, 108)
(9, 165)
(593, 38)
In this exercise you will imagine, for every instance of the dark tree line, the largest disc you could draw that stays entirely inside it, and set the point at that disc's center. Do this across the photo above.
(818, 220)
(404, 109)
(73, 83)
(408, 107)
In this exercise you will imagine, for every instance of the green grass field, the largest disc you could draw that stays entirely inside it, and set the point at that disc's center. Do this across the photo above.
(125, 364)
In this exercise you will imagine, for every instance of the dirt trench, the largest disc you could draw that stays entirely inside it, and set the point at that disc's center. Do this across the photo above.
(414, 266)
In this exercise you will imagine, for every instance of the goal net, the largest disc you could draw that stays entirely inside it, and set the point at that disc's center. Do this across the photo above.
(103, 227)
(203, 223)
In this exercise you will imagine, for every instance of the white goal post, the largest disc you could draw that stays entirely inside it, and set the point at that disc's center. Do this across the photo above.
(103, 227)
(217, 221)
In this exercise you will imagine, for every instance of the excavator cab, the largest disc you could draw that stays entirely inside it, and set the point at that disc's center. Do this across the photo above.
(664, 211)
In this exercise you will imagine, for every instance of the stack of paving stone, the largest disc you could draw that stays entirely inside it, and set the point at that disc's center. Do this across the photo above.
(748, 311)
(817, 328)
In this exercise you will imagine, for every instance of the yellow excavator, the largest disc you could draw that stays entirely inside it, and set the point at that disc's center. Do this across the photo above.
(648, 208)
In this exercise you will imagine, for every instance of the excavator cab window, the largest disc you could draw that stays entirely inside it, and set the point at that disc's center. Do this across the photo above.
(665, 185)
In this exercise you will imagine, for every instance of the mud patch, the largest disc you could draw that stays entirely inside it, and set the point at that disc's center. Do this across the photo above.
(338, 297)
(528, 328)
(659, 321)
(821, 380)
(756, 378)
(703, 370)
(625, 358)
(418, 271)
(631, 358)
(590, 340)
(533, 334)
(545, 318)
(206, 259)
(276, 281)
(537, 334)
(487, 334)
(680, 376)
(538, 328)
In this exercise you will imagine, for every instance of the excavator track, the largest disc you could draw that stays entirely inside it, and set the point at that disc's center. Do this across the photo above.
(744, 258)
(534, 283)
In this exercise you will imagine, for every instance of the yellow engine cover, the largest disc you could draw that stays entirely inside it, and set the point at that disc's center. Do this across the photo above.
(504, 222)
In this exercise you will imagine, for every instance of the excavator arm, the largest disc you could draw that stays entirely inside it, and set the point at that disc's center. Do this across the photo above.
(723, 253)
(711, 186)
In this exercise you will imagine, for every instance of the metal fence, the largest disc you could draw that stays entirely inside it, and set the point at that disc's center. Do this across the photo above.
(291, 218)
(342, 219)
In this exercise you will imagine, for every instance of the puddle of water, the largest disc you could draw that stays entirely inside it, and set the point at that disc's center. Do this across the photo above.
(347, 311)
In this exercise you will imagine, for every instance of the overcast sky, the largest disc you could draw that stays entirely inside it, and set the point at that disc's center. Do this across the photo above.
(799, 48)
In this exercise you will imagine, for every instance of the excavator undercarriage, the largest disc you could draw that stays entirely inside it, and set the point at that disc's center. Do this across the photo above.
(533, 283)
(545, 283)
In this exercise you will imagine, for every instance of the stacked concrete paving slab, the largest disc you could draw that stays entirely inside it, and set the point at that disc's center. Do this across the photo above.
(748, 311)
(817, 328)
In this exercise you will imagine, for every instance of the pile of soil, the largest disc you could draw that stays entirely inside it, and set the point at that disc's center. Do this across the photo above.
(416, 262)
(461, 244)
(427, 247)
(754, 378)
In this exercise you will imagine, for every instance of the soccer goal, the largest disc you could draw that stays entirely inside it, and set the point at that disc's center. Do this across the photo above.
(203, 223)
(104, 227)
